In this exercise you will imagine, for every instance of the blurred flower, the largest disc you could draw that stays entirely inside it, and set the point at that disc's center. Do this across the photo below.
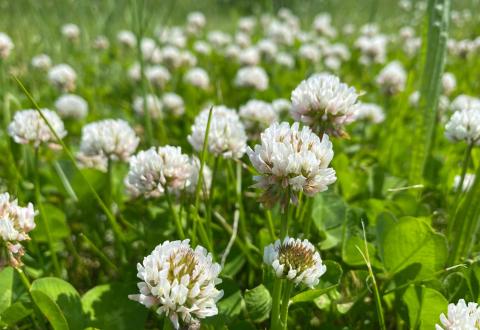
(106, 139)
(268, 48)
(257, 115)
(290, 160)
(179, 282)
(154, 106)
(281, 105)
(243, 39)
(127, 38)
(28, 126)
(285, 59)
(157, 75)
(467, 182)
(101, 43)
(371, 112)
(71, 106)
(154, 170)
(147, 46)
(173, 36)
(218, 39)
(207, 177)
(449, 83)
(197, 77)
(253, 77)
(71, 31)
(226, 136)
(202, 47)
(6, 46)
(324, 103)
(464, 125)
(196, 21)
(41, 62)
(460, 316)
(63, 77)
(247, 24)
(171, 57)
(322, 24)
(295, 260)
(15, 224)
(373, 48)
(392, 78)
(173, 103)
(280, 32)
(462, 102)
(249, 56)
(309, 52)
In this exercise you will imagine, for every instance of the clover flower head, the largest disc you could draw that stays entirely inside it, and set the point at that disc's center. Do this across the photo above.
(464, 125)
(153, 105)
(15, 224)
(296, 260)
(6, 46)
(63, 77)
(71, 106)
(460, 316)
(28, 127)
(252, 77)
(290, 160)
(179, 282)
(324, 103)
(226, 136)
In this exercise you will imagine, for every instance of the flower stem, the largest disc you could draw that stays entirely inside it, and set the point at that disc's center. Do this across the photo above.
(178, 224)
(99, 252)
(43, 216)
(276, 299)
(285, 303)
(284, 223)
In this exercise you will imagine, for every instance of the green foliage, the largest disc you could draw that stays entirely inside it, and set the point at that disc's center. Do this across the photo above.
(258, 303)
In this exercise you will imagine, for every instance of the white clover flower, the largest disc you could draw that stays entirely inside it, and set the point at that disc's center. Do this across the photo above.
(324, 103)
(28, 126)
(252, 77)
(173, 103)
(63, 77)
(41, 62)
(281, 105)
(197, 77)
(106, 139)
(406, 32)
(179, 282)
(6, 46)
(280, 32)
(101, 43)
(127, 38)
(196, 21)
(462, 102)
(249, 56)
(267, 48)
(464, 125)
(134, 72)
(309, 52)
(147, 46)
(467, 182)
(449, 83)
(247, 24)
(71, 106)
(218, 39)
(332, 62)
(296, 260)
(373, 48)
(171, 57)
(257, 115)
(242, 39)
(154, 106)
(460, 316)
(158, 75)
(371, 112)
(154, 170)
(290, 160)
(232, 52)
(285, 59)
(71, 31)
(173, 36)
(15, 224)
(338, 50)
(187, 59)
(348, 29)
(226, 136)
(322, 24)
(461, 48)
(392, 78)
(202, 47)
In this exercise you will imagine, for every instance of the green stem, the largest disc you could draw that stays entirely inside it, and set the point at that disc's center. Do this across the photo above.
(284, 222)
(43, 215)
(178, 224)
(276, 299)
(99, 252)
(271, 228)
(211, 198)
(285, 304)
